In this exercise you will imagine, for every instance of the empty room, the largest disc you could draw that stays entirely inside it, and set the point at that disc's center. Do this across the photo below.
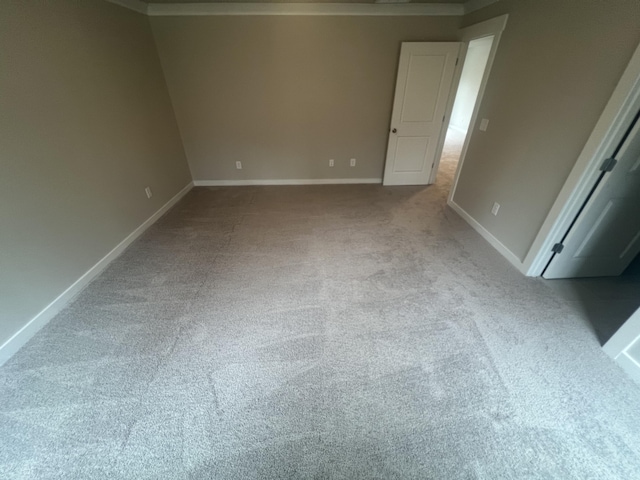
(327, 240)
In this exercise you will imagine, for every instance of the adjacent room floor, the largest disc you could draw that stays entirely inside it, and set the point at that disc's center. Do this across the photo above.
(451, 151)
(317, 332)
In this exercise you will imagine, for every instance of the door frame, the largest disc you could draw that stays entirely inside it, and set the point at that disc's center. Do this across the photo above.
(622, 340)
(495, 27)
(611, 127)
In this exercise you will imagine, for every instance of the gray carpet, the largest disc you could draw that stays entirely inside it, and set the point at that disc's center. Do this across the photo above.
(326, 332)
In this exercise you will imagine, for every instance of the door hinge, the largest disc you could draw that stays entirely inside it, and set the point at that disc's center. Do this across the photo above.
(457, 61)
(608, 164)
(557, 248)
(443, 118)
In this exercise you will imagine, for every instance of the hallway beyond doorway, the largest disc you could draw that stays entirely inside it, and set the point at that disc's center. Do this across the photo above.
(451, 154)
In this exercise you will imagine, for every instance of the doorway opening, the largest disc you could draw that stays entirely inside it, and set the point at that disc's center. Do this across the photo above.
(473, 72)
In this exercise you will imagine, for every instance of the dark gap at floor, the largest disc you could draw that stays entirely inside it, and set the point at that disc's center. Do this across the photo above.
(607, 302)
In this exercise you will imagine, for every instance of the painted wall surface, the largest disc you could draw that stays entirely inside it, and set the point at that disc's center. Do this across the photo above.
(284, 94)
(470, 81)
(86, 123)
(555, 69)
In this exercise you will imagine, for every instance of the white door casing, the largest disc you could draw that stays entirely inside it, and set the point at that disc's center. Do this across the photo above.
(423, 86)
(624, 346)
(606, 235)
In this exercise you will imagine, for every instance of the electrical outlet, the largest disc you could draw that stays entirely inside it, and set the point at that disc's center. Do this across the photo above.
(352, 162)
(147, 190)
(239, 165)
(495, 208)
(331, 162)
(484, 123)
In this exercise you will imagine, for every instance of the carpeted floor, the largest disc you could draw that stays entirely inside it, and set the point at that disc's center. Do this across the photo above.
(325, 332)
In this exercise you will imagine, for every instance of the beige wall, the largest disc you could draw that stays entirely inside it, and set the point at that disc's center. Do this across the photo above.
(85, 125)
(557, 65)
(285, 94)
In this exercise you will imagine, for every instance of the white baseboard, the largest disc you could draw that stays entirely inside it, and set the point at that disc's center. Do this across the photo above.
(322, 181)
(495, 243)
(23, 335)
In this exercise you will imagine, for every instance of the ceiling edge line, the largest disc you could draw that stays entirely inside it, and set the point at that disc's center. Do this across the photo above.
(327, 9)
(135, 5)
(473, 5)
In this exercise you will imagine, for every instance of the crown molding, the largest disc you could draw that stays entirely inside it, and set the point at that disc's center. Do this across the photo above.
(135, 5)
(335, 9)
(473, 5)
(362, 9)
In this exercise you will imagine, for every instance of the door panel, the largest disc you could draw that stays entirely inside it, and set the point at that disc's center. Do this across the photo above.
(411, 153)
(425, 76)
(606, 235)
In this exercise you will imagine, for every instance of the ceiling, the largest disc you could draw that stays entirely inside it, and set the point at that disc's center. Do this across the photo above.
(302, 1)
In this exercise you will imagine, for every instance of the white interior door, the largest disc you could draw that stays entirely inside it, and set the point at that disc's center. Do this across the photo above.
(624, 346)
(425, 77)
(606, 235)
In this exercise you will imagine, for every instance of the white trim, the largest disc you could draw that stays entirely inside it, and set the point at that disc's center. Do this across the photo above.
(363, 9)
(473, 5)
(286, 181)
(629, 365)
(608, 132)
(619, 344)
(495, 243)
(135, 5)
(22, 336)
(624, 337)
(495, 27)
